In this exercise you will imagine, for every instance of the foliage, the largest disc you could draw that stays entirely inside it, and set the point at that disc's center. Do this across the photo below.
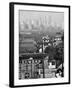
(51, 52)
(59, 52)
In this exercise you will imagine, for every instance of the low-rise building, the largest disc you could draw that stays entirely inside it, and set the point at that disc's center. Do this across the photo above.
(57, 39)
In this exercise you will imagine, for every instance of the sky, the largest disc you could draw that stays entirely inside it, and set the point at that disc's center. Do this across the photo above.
(53, 18)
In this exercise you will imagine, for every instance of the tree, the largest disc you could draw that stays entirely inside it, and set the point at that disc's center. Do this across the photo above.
(59, 54)
(51, 52)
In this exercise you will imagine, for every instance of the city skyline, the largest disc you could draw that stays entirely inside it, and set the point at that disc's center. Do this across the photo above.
(42, 17)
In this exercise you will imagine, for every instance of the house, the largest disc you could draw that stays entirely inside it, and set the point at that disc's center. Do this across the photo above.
(52, 64)
(46, 42)
(46, 39)
(57, 39)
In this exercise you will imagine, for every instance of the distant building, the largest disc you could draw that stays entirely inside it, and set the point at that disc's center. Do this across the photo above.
(28, 41)
(46, 39)
(57, 39)
(46, 42)
(28, 45)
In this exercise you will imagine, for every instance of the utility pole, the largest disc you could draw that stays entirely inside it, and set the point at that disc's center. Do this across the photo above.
(43, 58)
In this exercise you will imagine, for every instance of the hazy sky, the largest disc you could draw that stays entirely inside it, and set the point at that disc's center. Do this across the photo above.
(53, 18)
